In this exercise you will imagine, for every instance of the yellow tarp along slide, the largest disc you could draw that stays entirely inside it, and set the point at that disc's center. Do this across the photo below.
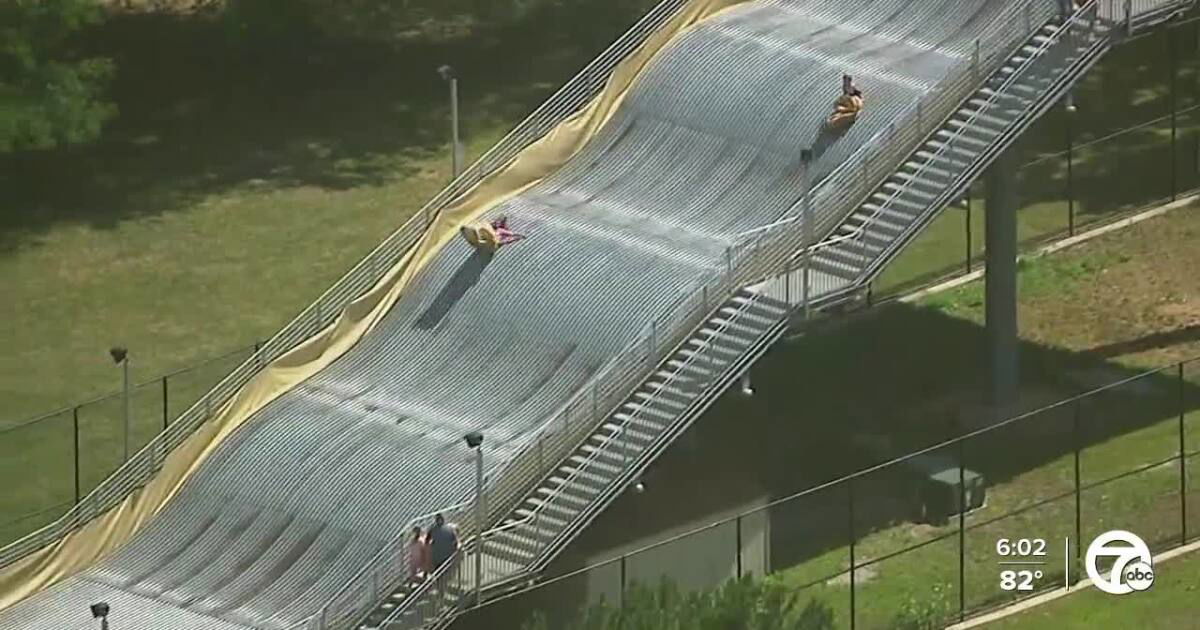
(89, 544)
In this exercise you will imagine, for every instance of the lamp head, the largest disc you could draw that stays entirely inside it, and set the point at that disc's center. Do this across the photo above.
(118, 353)
(473, 439)
(100, 610)
(447, 72)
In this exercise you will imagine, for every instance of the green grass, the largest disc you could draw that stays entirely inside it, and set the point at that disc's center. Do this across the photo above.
(812, 421)
(236, 187)
(229, 195)
(1169, 603)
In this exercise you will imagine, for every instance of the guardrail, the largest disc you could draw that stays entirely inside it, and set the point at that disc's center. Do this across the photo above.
(747, 260)
(769, 253)
(325, 310)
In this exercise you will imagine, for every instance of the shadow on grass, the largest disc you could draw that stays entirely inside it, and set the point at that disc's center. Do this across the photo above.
(906, 378)
(201, 114)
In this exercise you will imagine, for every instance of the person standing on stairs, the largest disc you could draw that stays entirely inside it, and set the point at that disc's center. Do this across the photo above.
(418, 556)
(443, 542)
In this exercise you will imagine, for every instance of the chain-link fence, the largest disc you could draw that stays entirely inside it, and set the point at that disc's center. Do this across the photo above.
(56, 459)
(882, 545)
(1128, 137)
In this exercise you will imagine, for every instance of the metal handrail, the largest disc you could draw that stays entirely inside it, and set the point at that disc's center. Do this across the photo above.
(393, 555)
(327, 308)
(965, 84)
(949, 143)
(776, 257)
(961, 173)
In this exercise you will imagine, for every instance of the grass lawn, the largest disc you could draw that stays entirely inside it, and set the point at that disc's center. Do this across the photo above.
(1169, 604)
(904, 377)
(236, 187)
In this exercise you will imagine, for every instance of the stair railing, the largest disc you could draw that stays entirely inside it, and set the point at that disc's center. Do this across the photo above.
(1084, 24)
(135, 472)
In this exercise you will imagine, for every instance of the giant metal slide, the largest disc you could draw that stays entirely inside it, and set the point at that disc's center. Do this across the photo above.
(683, 201)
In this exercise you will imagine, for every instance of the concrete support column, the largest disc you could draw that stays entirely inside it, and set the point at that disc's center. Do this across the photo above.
(1001, 281)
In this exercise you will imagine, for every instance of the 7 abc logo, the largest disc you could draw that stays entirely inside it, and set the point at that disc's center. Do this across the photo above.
(1132, 568)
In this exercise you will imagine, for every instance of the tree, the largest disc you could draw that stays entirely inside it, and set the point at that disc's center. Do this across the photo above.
(49, 95)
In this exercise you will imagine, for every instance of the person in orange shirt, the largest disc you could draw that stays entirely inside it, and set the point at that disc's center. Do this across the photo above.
(848, 106)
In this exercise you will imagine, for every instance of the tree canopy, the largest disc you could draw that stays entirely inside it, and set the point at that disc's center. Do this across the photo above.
(49, 95)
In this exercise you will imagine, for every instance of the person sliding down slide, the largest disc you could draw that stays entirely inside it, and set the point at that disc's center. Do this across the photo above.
(490, 236)
(847, 106)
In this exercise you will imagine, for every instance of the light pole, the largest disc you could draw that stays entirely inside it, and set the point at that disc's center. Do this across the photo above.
(100, 611)
(474, 440)
(1071, 109)
(806, 156)
(120, 356)
(451, 77)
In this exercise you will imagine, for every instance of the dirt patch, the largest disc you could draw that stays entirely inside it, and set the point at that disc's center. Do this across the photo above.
(1132, 296)
(862, 575)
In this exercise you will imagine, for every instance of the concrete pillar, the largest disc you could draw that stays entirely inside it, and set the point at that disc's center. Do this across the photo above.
(1001, 281)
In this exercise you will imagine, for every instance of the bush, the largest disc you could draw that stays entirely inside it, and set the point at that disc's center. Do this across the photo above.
(744, 604)
(926, 613)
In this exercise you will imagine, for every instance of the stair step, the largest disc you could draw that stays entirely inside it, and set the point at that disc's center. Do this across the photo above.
(922, 180)
(519, 543)
(595, 462)
(964, 137)
(645, 424)
(670, 385)
(699, 370)
(996, 124)
(1002, 110)
(657, 414)
(891, 201)
(543, 517)
(736, 330)
(870, 212)
(633, 429)
(954, 150)
(584, 481)
(671, 399)
(726, 312)
(721, 345)
(976, 126)
(938, 165)
(567, 497)
(880, 228)
(911, 190)
(833, 268)
(552, 507)
(761, 304)
(503, 551)
(618, 446)
(850, 259)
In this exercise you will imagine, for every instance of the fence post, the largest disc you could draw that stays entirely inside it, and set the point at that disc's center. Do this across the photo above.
(968, 230)
(166, 406)
(1183, 537)
(1174, 127)
(623, 577)
(75, 421)
(850, 525)
(738, 525)
(962, 529)
(1077, 439)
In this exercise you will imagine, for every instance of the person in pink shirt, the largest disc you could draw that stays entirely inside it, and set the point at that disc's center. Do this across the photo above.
(418, 556)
